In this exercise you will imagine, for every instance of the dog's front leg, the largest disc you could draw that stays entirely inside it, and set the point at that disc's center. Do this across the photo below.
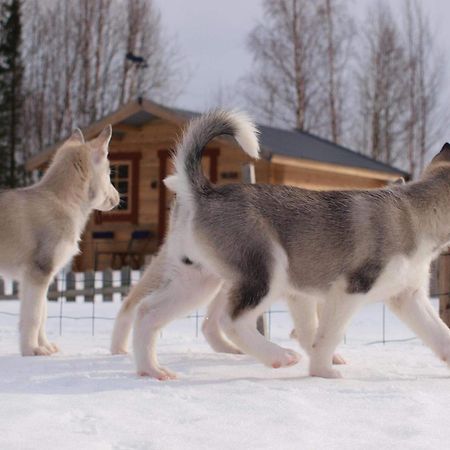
(335, 314)
(42, 336)
(303, 310)
(414, 308)
(33, 297)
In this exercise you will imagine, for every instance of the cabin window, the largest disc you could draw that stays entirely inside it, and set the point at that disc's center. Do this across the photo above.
(120, 178)
(125, 178)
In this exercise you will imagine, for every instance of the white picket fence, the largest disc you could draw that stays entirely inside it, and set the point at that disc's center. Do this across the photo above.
(81, 287)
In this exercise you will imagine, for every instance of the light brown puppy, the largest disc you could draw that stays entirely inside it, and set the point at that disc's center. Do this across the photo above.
(40, 227)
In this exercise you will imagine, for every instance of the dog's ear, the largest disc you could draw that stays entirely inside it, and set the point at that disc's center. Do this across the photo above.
(76, 137)
(100, 144)
(443, 155)
(400, 180)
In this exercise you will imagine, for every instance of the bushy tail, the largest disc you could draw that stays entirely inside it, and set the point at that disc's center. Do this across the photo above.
(189, 178)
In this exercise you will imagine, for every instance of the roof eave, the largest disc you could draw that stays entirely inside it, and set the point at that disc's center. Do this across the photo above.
(337, 168)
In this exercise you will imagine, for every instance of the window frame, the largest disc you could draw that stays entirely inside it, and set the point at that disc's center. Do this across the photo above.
(129, 194)
(132, 214)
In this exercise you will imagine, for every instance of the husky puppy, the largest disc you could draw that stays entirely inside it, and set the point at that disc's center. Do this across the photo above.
(336, 249)
(40, 227)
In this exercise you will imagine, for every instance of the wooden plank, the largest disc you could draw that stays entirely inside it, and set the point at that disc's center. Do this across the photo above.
(106, 290)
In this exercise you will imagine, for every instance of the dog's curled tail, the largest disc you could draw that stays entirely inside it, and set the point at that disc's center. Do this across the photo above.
(189, 178)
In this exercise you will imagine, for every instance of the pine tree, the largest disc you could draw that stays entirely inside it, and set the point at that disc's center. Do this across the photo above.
(11, 70)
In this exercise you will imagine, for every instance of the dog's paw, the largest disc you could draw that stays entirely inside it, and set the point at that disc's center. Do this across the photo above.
(226, 348)
(286, 358)
(159, 373)
(50, 346)
(119, 351)
(338, 359)
(325, 372)
(40, 350)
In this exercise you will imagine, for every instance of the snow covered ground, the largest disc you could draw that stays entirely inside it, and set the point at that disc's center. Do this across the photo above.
(393, 396)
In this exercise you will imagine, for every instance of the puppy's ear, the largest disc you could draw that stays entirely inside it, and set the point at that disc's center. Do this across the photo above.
(76, 137)
(100, 144)
(443, 155)
(400, 180)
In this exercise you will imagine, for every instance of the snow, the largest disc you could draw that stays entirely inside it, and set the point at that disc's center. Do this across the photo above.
(393, 396)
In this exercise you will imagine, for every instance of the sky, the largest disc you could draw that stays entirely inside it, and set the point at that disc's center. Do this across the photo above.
(212, 36)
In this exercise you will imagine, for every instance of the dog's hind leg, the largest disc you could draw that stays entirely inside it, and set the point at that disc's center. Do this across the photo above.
(335, 315)
(414, 308)
(33, 293)
(179, 293)
(211, 326)
(149, 282)
(239, 326)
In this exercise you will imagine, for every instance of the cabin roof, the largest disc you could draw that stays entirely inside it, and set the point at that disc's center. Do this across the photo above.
(274, 141)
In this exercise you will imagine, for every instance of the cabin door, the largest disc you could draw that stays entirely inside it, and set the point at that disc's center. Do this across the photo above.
(209, 163)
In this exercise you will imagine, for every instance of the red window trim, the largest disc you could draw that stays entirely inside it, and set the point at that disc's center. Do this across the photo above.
(133, 215)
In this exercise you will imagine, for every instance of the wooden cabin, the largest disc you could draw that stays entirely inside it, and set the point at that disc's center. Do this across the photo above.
(143, 135)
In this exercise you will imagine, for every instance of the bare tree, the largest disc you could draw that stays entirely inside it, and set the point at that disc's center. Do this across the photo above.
(425, 119)
(300, 52)
(284, 83)
(337, 34)
(75, 62)
(399, 76)
(382, 86)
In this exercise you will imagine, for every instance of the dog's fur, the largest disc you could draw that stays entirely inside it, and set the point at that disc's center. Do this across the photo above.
(151, 281)
(40, 227)
(340, 249)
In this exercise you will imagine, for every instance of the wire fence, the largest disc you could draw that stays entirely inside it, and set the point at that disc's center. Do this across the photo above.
(93, 298)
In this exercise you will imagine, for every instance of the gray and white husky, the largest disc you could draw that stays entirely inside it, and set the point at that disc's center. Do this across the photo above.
(40, 227)
(153, 279)
(337, 250)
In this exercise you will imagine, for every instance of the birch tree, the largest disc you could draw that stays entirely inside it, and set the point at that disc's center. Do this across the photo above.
(299, 53)
(76, 69)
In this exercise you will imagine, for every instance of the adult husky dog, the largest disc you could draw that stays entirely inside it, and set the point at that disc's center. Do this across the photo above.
(339, 249)
(40, 227)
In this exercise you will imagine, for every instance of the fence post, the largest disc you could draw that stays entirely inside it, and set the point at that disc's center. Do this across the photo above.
(116, 283)
(107, 285)
(70, 286)
(248, 176)
(126, 276)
